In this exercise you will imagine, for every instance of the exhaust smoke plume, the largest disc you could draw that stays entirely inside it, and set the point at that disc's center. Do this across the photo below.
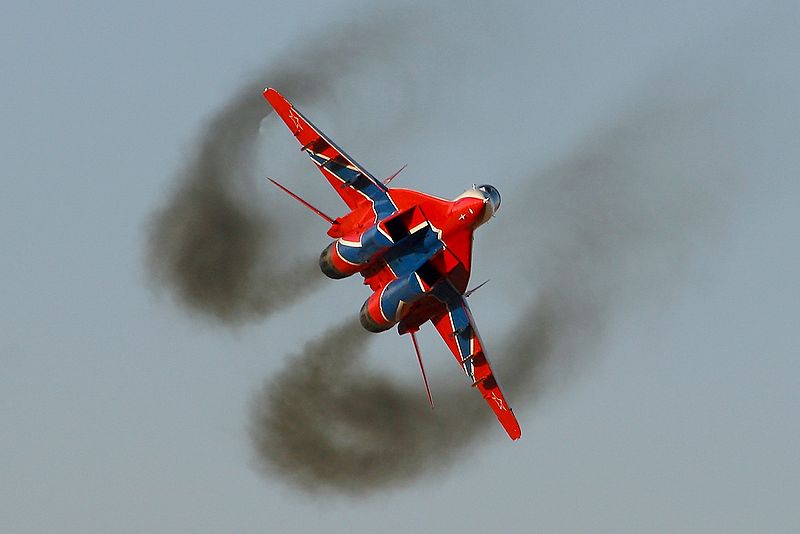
(208, 244)
(589, 234)
(614, 217)
(327, 422)
(212, 247)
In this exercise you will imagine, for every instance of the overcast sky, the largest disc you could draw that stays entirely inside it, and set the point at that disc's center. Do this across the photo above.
(672, 410)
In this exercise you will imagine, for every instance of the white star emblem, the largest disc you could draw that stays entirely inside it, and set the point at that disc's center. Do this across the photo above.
(462, 216)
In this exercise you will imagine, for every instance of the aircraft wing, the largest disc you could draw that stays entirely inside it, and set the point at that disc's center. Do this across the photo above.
(356, 186)
(457, 328)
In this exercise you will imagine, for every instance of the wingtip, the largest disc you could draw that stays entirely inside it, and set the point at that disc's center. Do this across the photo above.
(273, 96)
(514, 431)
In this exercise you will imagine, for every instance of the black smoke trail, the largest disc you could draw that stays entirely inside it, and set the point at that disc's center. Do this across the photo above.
(327, 422)
(211, 245)
(612, 220)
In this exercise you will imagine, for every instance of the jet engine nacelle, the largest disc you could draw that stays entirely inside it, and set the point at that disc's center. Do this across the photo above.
(333, 266)
(347, 256)
(383, 309)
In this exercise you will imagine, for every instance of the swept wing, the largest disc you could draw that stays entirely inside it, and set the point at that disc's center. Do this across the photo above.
(351, 181)
(457, 328)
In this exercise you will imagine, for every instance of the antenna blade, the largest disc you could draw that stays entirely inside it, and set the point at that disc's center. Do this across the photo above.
(474, 289)
(422, 368)
(389, 179)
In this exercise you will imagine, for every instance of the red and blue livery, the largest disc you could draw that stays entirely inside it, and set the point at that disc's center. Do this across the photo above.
(414, 251)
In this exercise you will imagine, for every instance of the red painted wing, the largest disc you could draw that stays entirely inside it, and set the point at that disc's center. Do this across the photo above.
(457, 328)
(353, 183)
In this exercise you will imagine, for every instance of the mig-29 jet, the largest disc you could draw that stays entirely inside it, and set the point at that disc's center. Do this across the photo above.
(414, 251)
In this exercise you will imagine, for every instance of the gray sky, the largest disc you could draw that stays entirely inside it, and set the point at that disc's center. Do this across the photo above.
(123, 413)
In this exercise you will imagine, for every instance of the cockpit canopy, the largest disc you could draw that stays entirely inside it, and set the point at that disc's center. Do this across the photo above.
(492, 195)
(490, 198)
